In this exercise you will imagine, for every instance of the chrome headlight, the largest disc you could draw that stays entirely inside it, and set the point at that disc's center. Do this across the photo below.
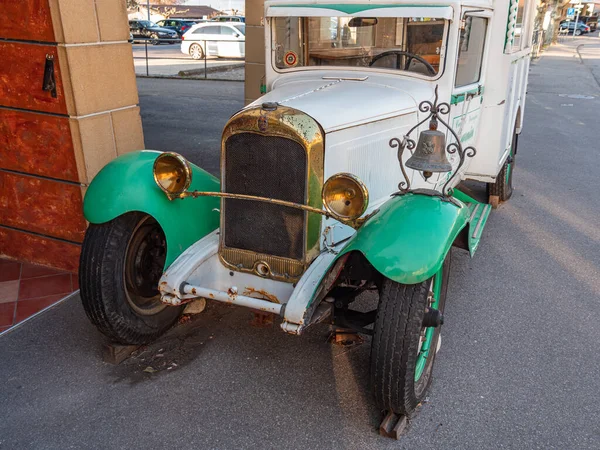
(172, 173)
(345, 197)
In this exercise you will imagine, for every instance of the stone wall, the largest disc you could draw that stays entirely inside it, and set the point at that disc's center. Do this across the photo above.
(255, 50)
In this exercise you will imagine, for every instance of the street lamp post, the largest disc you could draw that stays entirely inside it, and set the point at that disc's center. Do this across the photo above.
(578, 8)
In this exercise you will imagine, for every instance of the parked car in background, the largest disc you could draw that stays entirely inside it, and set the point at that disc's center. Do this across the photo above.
(590, 21)
(228, 19)
(581, 27)
(146, 29)
(224, 40)
(178, 25)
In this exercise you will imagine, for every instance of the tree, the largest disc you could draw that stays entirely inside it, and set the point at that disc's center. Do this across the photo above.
(168, 12)
(136, 3)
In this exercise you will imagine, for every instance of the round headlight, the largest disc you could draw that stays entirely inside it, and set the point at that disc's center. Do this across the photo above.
(345, 196)
(172, 173)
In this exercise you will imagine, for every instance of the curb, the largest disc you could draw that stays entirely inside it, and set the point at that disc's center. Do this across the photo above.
(177, 77)
(191, 72)
(582, 62)
(42, 311)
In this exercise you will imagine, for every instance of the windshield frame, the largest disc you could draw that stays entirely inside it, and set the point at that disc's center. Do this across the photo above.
(396, 72)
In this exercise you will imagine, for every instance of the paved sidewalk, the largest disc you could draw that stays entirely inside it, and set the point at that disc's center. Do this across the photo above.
(518, 367)
(168, 61)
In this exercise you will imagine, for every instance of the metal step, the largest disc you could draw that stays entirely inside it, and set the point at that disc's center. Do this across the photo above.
(477, 219)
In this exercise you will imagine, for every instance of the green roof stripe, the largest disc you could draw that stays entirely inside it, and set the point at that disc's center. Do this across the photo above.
(354, 8)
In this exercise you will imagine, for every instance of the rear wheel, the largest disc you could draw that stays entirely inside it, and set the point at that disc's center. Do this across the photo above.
(403, 350)
(577, 32)
(121, 264)
(154, 39)
(502, 189)
(196, 51)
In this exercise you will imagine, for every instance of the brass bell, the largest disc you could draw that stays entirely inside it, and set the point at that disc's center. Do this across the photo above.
(430, 154)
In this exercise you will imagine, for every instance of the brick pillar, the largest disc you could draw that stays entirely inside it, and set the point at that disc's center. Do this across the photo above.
(255, 49)
(54, 141)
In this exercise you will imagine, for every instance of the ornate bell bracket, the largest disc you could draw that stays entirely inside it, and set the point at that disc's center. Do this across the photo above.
(427, 149)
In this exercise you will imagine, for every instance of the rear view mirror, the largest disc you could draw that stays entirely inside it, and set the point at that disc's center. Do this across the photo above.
(356, 22)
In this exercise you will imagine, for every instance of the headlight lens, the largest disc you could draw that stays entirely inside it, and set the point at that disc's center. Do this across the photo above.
(172, 173)
(345, 196)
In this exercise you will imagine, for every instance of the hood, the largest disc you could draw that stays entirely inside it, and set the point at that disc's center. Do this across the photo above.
(341, 103)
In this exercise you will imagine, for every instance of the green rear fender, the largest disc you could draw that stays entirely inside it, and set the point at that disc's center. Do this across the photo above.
(127, 184)
(408, 239)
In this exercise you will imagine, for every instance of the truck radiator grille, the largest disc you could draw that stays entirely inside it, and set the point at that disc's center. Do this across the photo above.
(265, 166)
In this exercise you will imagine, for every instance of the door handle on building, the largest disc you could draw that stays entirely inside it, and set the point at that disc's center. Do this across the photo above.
(49, 83)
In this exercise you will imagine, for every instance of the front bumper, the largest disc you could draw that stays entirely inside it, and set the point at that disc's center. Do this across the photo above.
(198, 273)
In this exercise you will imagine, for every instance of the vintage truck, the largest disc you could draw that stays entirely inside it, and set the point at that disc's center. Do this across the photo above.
(324, 192)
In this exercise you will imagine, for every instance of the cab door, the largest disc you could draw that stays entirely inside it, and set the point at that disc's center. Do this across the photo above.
(468, 87)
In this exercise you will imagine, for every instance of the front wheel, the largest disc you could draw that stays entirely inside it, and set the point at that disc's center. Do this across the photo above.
(121, 264)
(403, 349)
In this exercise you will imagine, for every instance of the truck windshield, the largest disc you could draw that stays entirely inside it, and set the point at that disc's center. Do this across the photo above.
(397, 43)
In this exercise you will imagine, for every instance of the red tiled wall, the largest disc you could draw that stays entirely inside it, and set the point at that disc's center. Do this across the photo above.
(41, 219)
(38, 144)
(26, 20)
(42, 206)
(21, 80)
(23, 246)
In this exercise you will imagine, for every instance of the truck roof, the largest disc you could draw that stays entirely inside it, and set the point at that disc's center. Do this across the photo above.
(351, 6)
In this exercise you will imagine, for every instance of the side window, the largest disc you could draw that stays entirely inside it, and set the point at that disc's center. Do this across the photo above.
(521, 31)
(201, 30)
(161, 23)
(228, 31)
(470, 50)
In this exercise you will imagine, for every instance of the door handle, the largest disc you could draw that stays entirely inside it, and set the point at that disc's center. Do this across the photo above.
(472, 94)
(49, 82)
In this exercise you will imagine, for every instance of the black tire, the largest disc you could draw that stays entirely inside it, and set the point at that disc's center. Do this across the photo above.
(395, 344)
(503, 187)
(121, 263)
(577, 32)
(154, 40)
(196, 51)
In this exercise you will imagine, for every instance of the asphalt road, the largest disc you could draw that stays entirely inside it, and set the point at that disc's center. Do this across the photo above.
(519, 362)
(187, 116)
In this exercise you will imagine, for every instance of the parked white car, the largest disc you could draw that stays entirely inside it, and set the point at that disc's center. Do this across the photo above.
(224, 40)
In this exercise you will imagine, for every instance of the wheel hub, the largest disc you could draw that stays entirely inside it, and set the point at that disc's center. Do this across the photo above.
(146, 254)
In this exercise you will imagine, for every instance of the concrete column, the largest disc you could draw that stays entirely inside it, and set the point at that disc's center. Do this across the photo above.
(55, 140)
(255, 50)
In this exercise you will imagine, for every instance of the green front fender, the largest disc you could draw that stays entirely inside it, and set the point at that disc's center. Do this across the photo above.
(408, 239)
(127, 184)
